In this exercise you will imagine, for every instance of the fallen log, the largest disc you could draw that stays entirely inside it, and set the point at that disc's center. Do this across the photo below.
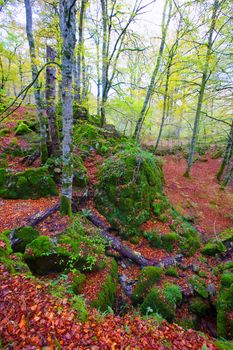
(37, 218)
(126, 252)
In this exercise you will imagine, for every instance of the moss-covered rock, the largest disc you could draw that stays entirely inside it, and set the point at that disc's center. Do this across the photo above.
(22, 129)
(78, 280)
(80, 112)
(162, 301)
(76, 248)
(128, 184)
(199, 307)
(165, 241)
(225, 312)
(32, 183)
(5, 244)
(106, 296)
(80, 178)
(147, 278)
(212, 249)
(23, 236)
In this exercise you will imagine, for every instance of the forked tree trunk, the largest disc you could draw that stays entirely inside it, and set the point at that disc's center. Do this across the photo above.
(53, 140)
(37, 94)
(68, 29)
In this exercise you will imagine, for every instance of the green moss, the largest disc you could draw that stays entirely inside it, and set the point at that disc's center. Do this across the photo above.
(212, 249)
(227, 279)
(162, 301)
(165, 241)
(32, 183)
(128, 184)
(224, 344)
(199, 307)
(65, 206)
(4, 132)
(22, 129)
(199, 286)
(147, 278)
(78, 280)
(78, 304)
(106, 296)
(25, 235)
(80, 178)
(5, 244)
(171, 271)
(224, 307)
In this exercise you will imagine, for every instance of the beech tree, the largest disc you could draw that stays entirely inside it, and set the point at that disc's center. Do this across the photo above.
(68, 34)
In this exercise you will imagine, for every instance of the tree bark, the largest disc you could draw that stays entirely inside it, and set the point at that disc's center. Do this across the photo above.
(37, 94)
(227, 154)
(53, 139)
(68, 29)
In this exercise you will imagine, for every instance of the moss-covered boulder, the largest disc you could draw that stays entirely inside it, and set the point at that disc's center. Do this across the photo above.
(211, 249)
(22, 236)
(22, 129)
(147, 278)
(128, 184)
(80, 178)
(78, 248)
(32, 183)
(5, 244)
(80, 112)
(225, 306)
(162, 301)
(106, 296)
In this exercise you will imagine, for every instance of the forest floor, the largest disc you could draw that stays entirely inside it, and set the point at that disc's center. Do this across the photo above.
(32, 318)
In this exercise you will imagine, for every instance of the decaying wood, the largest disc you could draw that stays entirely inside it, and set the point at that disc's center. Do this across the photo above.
(36, 219)
(128, 253)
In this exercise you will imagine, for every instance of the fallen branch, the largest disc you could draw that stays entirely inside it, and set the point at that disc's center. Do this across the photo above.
(36, 219)
(126, 252)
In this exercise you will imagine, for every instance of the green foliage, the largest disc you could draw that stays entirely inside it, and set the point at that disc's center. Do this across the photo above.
(78, 303)
(32, 183)
(211, 249)
(165, 241)
(224, 308)
(189, 240)
(25, 235)
(162, 301)
(106, 296)
(227, 279)
(171, 271)
(128, 183)
(22, 129)
(199, 286)
(5, 244)
(78, 280)
(80, 178)
(147, 278)
(198, 306)
(4, 132)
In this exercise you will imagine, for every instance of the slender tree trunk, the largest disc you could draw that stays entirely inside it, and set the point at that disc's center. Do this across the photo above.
(98, 77)
(68, 28)
(37, 95)
(227, 154)
(53, 138)
(152, 84)
(104, 61)
(202, 89)
(81, 70)
(165, 107)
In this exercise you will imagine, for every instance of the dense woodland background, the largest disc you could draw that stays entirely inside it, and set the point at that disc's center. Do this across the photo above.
(116, 174)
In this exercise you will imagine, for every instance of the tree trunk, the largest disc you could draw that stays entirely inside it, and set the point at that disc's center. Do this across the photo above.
(202, 89)
(104, 60)
(68, 28)
(228, 153)
(53, 139)
(152, 84)
(37, 95)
